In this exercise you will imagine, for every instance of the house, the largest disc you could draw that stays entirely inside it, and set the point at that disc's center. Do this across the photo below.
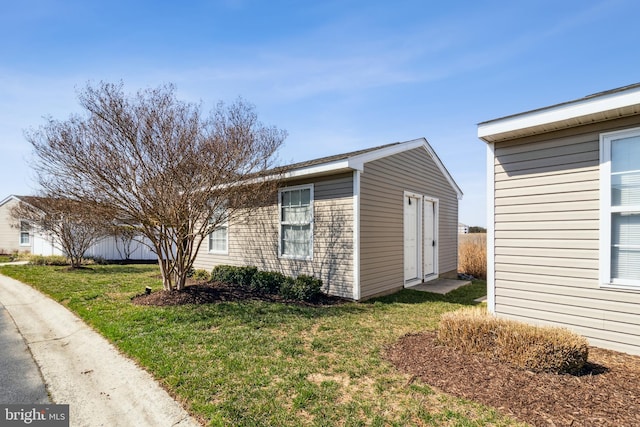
(366, 223)
(564, 216)
(21, 236)
(463, 228)
(15, 236)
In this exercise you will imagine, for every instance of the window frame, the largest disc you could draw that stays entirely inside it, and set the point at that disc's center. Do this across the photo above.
(25, 229)
(282, 223)
(606, 210)
(224, 225)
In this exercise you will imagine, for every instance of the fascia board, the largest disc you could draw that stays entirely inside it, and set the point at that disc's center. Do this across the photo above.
(318, 169)
(8, 199)
(559, 113)
(357, 162)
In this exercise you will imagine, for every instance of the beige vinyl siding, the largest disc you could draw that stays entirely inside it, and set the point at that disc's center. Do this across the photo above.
(382, 186)
(9, 230)
(253, 239)
(547, 223)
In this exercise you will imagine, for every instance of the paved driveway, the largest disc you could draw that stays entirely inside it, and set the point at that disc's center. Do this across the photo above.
(20, 378)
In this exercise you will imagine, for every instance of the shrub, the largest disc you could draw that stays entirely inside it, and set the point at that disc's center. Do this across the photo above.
(302, 288)
(472, 255)
(200, 275)
(267, 282)
(535, 348)
(240, 276)
(224, 273)
(307, 287)
(48, 260)
(287, 288)
(244, 276)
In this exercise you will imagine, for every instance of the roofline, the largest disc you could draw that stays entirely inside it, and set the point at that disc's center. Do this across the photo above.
(9, 198)
(563, 115)
(357, 162)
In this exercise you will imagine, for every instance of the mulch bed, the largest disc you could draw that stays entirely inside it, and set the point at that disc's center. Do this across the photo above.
(213, 292)
(606, 393)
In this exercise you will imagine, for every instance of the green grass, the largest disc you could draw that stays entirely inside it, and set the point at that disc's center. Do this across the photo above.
(5, 258)
(257, 363)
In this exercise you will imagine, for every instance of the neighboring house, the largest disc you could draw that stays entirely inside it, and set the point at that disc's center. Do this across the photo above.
(15, 236)
(564, 216)
(22, 237)
(367, 223)
(463, 228)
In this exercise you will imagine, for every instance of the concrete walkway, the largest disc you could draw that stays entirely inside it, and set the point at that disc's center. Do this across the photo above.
(82, 369)
(440, 286)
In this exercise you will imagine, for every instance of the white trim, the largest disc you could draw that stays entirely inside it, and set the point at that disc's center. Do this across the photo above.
(356, 235)
(225, 251)
(419, 242)
(491, 229)
(436, 238)
(311, 221)
(606, 209)
(561, 112)
(9, 198)
(28, 232)
(357, 162)
(604, 255)
(318, 169)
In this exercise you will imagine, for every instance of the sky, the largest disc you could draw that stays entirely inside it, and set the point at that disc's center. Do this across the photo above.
(337, 75)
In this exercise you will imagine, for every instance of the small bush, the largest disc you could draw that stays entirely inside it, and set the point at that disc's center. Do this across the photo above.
(287, 288)
(472, 255)
(200, 275)
(538, 349)
(244, 276)
(267, 282)
(306, 288)
(48, 260)
(239, 276)
(224, 273)
(302, 288)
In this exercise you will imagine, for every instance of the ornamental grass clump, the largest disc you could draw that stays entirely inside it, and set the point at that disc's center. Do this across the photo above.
(472, 255)
(534, 348)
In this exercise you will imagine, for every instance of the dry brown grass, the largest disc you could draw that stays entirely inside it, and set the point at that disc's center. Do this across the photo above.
(534, 348)
(472, 254)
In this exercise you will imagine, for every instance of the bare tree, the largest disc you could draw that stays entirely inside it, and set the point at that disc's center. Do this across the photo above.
(159, 165)
(74, 227)
(124, 237)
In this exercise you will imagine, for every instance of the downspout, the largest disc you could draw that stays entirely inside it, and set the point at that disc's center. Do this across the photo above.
(491, 229)
(356, 235)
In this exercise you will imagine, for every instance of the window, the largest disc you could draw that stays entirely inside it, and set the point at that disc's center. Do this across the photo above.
(296, 222)
(25, 228)
(219, 238)
(620, 208)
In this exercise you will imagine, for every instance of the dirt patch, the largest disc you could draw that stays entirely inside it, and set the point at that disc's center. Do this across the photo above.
(605, 393)
(214, 292)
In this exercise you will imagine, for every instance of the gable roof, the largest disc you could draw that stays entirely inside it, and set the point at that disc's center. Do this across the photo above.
(350, 161)
(31, 200)
(355, 160)
(601, 106)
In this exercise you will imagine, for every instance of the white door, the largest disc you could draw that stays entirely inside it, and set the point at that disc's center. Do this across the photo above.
(412, 245)
(429, 238)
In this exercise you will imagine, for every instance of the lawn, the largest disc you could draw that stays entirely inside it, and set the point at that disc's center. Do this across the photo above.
(262, 363)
